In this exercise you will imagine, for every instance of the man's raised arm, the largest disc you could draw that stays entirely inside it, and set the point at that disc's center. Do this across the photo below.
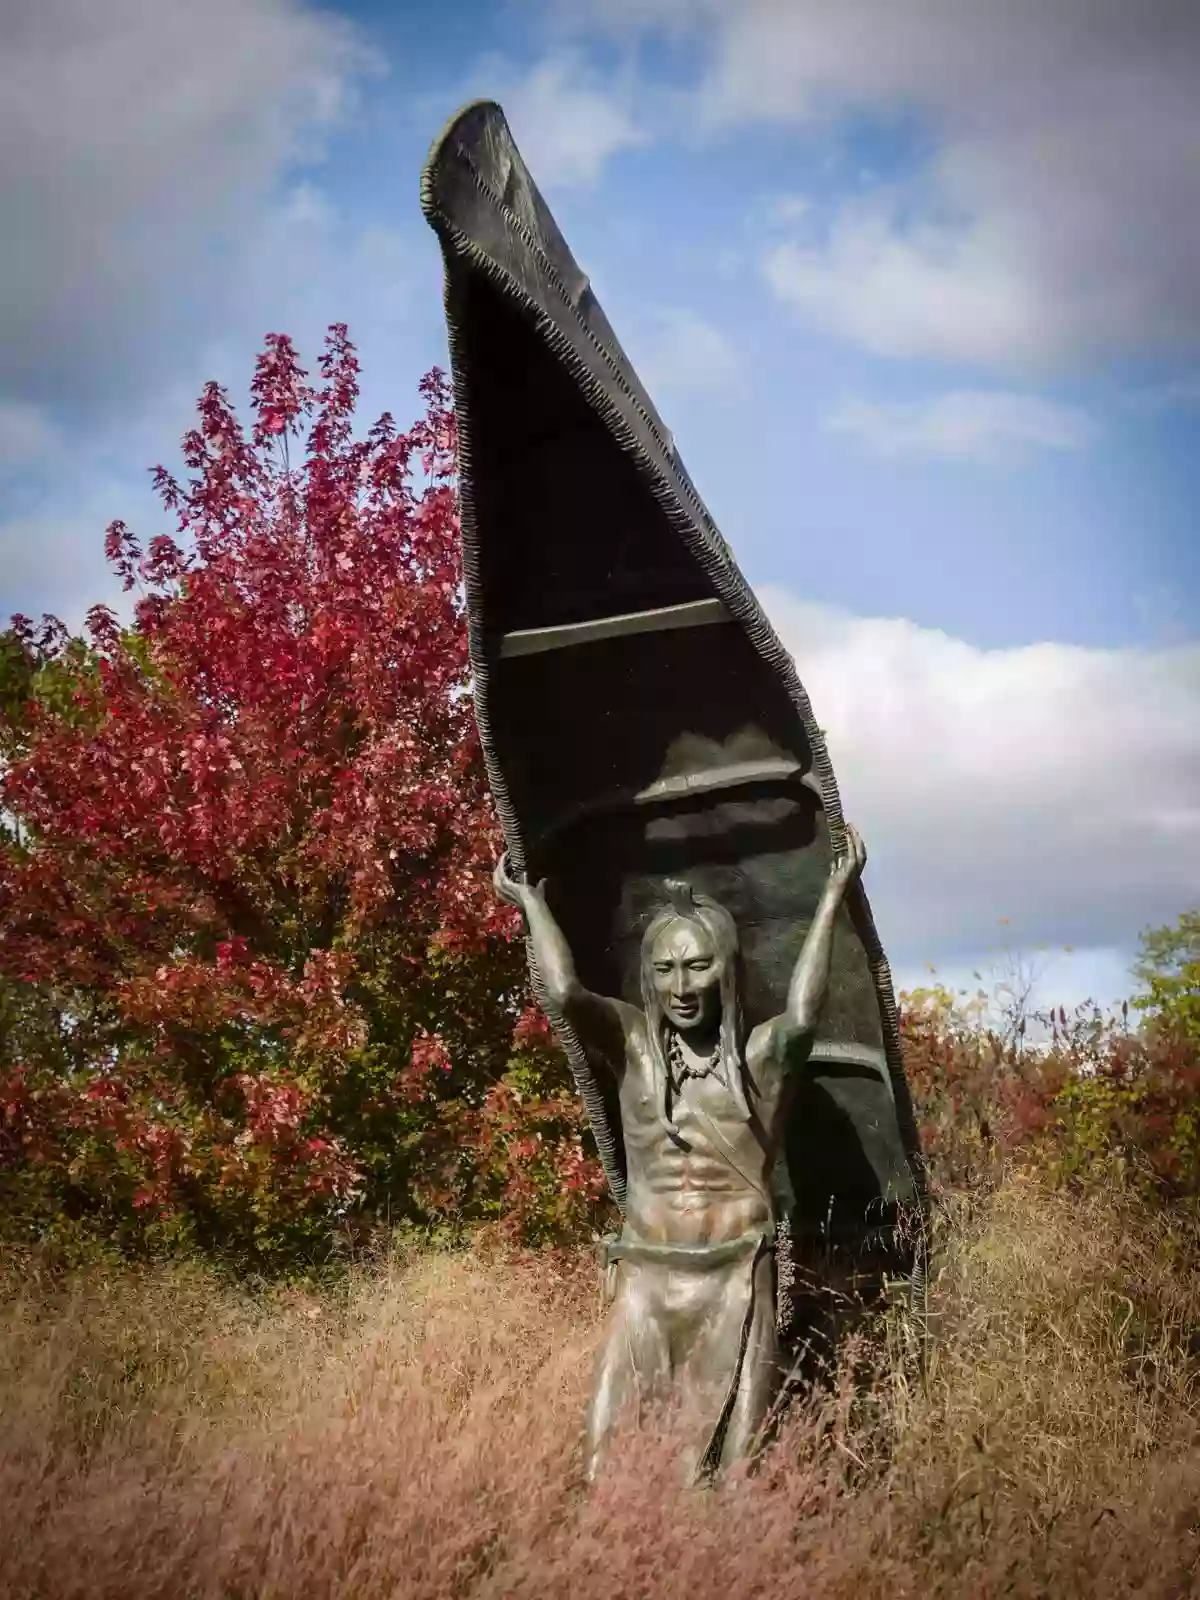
(555, 963)
(810, 979)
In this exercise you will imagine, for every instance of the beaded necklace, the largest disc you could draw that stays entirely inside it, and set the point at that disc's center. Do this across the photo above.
(682, 1068)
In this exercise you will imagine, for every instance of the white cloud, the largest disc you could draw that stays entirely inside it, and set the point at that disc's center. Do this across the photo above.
(27, 435)
(1053, 785)
(313, 266)
(964, 425)
(309, 268)
(566, 121)
(789, 208)
(952, 293)
(54, 555)
(139, 143)
(684, 353)
(1054, 219)
(1066, 977)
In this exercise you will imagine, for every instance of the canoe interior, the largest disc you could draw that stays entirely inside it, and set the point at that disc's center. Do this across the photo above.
(567, 528)
(567, 532)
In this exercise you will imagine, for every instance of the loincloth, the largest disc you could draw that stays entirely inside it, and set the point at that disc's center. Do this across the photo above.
(700, 1308)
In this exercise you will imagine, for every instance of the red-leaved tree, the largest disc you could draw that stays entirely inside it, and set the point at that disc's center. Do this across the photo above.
(254, 985)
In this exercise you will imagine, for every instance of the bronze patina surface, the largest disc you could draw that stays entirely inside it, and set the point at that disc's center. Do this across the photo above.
(704, 1105)
(647, 738)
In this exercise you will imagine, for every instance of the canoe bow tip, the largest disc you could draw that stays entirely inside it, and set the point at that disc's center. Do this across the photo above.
(478, 129)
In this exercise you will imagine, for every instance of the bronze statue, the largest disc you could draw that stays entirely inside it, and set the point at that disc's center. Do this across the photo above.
(703, 1106)
(655, 760)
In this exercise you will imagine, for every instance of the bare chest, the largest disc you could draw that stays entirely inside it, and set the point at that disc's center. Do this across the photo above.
(699, 1105)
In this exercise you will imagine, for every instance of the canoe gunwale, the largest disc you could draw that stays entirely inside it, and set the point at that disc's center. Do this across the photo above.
(671, 488)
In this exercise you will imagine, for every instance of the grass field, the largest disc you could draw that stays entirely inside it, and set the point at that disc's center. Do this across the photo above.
(414, 1432)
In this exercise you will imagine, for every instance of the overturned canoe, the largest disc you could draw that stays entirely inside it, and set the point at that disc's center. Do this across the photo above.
(639, 717)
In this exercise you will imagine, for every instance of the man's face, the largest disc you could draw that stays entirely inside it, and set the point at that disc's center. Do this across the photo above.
(687, 975)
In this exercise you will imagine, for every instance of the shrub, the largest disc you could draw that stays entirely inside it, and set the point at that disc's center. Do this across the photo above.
(1094, 1098)
(256, 993)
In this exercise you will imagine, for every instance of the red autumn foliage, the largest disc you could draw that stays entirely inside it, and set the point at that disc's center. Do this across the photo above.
(255, 978)
(1090, 1099)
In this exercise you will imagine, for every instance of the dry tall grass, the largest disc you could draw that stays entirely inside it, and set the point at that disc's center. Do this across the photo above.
(416, 1435)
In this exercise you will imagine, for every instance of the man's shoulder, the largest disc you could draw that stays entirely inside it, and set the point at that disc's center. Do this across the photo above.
(763, 1044)
(633, 1018)
(612, 1028)
(777, 1043)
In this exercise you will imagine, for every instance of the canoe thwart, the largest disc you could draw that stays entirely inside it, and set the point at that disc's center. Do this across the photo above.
(733, 775)
(836, 1053)
(532, 641)
(686, 786)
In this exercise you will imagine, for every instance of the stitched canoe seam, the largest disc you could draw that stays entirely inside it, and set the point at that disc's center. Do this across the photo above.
(675, 495)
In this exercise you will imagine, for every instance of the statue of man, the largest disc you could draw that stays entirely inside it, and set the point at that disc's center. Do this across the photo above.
(691, 1278)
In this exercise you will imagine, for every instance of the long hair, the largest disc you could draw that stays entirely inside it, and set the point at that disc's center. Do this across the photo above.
(685, 905)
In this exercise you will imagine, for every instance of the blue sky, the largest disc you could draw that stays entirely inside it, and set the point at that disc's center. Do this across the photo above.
(915, 283)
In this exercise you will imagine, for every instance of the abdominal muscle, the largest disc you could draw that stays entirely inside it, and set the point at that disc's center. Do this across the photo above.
(707, 1186)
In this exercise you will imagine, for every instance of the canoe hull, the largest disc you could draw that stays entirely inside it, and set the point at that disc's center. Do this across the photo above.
(639, 717)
